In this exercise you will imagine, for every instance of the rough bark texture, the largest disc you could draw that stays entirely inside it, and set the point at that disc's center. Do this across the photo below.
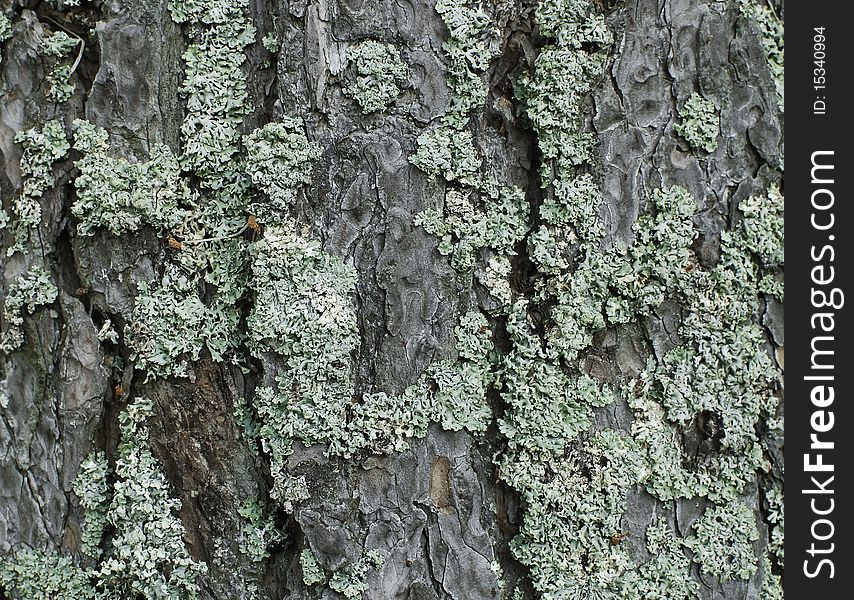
(438, 512)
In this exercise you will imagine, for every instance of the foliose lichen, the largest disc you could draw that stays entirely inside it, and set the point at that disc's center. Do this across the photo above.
(148, 558)
(211, 127)
(720, 374)
(93, 491)
(41, 150)
(259, 532)
(118, 195)
(29, 291)
(44, 576)
(5, 31)
(59, 45)
(350, 580)
(312, 572)
(145, 557)
(279, 159)
(170, 325)
(700, 123)
(379, 74)
(722, 544)
(771, 35)
(472, 43)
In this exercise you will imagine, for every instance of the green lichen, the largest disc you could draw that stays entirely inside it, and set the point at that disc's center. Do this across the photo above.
(259, 531)
(449, 153)
(722, 544)
(771, 35)
(304, 319)
(170, 325)
(59, 45)
(700, 125)
(472, 43)
(303, 312)
(463, 228)
(279, 160)
(118, 195)
(721, 373)
(350, 580)
(548, 407)
(23, 296)
(271, 42)
(214, 86)
(93, 491)
(379, 74)
(5, 31)
(41, 149)
(148, 558)
(761, 230)
(312, 573)
(41, 576)
(667, 575)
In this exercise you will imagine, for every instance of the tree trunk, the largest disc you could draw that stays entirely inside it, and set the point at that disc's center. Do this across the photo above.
(368, 355)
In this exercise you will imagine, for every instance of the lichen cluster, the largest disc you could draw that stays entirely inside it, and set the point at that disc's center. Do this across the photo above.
(379, 74)
(240, 280)
(41, 149)
(59, 47)
(40, 576)
(700, 123)
(145, 556)
(720, 374)
(25, 294)
(771, 35)
(304, 314)
(93, 491)
(120, 196)
(348, 580)
(5, 31)
(479, 213)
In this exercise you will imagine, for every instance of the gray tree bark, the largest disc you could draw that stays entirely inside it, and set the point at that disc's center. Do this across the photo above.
(439, 511)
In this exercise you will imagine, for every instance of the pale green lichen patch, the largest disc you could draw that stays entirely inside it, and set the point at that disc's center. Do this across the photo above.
(214, 85)
(148, 558)
(312, 572)
(304, 317)
(771, 36)
(720, 375)
(37, 576)
(351, 579)
(145, 558)
(548, 407)
(93, 491)
(723, 542)
(23, 296)
(58, 46)
(463, 228)
(259, 532)
(118, 195)
(667, 575)
(761, 229)
(41, 150)
(450, 153)
(171, 325)
(472, 43)
(379, 74)
(5, 31)
(279, 159)
(700, 123)
(304, 312)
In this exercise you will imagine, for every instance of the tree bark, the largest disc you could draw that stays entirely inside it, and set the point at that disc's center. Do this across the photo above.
(441, 513)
